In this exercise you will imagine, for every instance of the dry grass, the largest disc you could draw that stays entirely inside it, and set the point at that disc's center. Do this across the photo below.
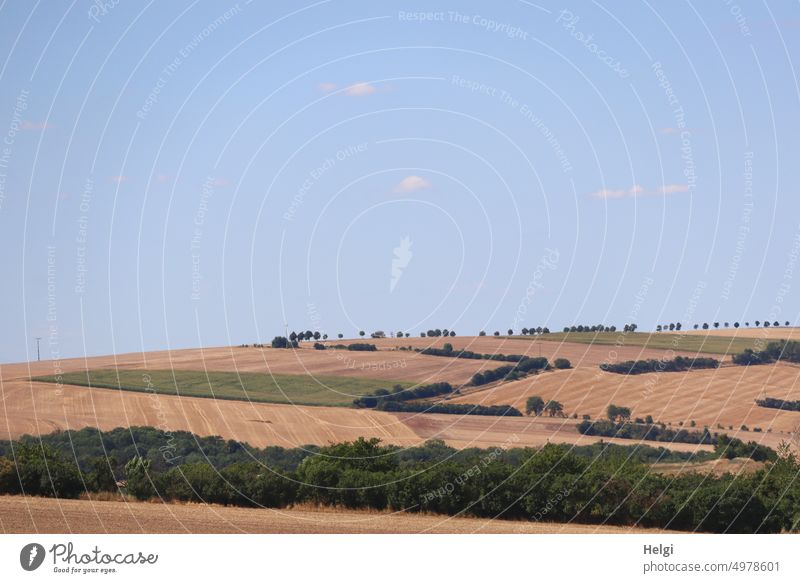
(47, 515)
(713, 397)
(709, 397)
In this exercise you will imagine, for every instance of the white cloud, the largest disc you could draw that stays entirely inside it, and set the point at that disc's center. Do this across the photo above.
(608, 193)
(638, 190)
(673, 188)
(34, 126)
(326, 87)
(360, 90)
(412, 183)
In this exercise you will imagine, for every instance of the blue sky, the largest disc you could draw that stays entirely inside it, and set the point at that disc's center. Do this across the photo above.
(192, 174)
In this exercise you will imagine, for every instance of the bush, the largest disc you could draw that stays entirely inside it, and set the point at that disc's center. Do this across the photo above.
(450, 408)
(677, 364)
(771, 403)
(788, 350)
(319, 346)
(526, 365)
(362, 346)
(562, 363)
(399, 394)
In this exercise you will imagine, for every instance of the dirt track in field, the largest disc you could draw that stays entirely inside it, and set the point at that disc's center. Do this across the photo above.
(47, 515)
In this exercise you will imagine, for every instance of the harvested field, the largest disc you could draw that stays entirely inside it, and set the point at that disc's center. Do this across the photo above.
(37, 408)
(48, 515)
(716, 467)
(771, 333)
(722, 396)
(579, 352)
(680, 342)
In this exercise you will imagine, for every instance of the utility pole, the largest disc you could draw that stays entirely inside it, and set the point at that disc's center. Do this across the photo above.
(38, 357)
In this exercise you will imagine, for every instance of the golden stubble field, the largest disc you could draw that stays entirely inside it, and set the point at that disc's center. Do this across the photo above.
(48, 515)
(709, 397)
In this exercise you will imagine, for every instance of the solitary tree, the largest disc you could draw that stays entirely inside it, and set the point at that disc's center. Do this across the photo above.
(736, 324)
(510, 332)
(534, 405)
(496, 333)
(705, 325)
(361, 333)
(616, 413)
(554, 408)
(340, 335)
(482, 333)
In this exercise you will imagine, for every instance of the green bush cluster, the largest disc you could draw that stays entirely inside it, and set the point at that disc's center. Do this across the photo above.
(398, 393)
(362, 346)
(595, 484)
(525, 366)
(771, 403)
(677, 364)
(451, 408)
(788, 350)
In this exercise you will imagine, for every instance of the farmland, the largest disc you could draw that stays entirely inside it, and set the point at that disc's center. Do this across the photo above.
(244, 386)
(695, 342)
(46, 515)
(295, 397)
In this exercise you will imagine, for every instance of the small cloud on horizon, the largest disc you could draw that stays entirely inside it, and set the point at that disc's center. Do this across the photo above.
(412, 183)
(360, 90)
(35, 126)
(638, 190)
